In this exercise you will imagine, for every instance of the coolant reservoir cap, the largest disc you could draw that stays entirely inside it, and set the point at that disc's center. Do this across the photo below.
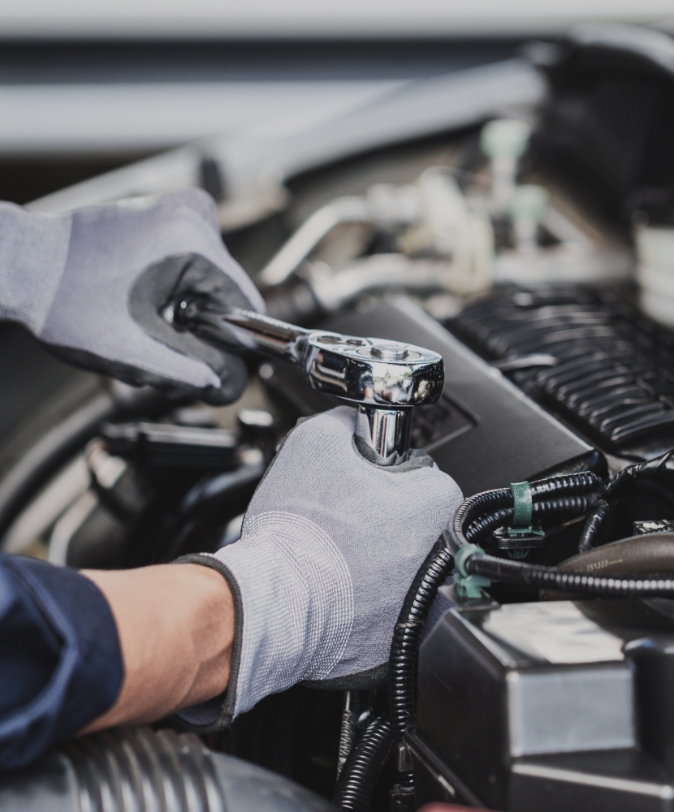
(508, 137)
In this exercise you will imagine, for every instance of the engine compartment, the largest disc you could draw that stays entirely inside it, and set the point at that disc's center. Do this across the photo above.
(520, 249)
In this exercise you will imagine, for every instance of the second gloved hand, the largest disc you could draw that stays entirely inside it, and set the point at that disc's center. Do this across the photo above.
(91, 285)
(330, 545)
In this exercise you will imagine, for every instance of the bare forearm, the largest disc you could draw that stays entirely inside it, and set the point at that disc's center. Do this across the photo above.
(176, 627)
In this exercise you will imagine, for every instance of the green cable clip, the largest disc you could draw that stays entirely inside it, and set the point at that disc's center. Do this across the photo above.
(468, 586)
(523, 508)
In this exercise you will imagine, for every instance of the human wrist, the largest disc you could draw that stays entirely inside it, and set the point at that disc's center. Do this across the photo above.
(175, 626)
(33, 253)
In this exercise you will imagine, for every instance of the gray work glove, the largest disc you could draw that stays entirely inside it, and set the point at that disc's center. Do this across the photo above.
(90, 285)
(330, 545)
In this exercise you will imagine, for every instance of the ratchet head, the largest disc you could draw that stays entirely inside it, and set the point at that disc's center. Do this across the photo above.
(372, 372)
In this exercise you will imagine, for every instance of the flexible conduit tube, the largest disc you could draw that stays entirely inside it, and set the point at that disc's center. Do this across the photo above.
(362, 767)
(592, 525)
(561, 494)
(405, 646)
(532, 575)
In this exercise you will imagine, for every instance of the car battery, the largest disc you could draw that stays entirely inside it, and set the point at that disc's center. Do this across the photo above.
(553, 705)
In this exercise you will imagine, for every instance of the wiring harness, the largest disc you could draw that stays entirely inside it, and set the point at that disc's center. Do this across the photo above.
(522, 507)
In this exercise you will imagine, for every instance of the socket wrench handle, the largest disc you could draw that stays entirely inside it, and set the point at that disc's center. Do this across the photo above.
(386, 379)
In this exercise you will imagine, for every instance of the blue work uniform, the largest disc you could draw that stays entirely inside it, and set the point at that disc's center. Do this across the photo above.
(60, 659)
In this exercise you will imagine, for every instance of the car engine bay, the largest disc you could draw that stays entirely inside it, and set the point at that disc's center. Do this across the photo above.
(529, 244)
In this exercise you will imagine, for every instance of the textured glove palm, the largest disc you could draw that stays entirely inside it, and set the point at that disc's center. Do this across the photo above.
(90, 286)
(330, 545)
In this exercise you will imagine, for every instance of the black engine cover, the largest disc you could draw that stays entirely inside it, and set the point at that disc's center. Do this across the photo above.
(485, 432)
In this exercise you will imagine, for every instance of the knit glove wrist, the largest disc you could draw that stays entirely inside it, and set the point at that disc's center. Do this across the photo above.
(330, 545)
(91, 285)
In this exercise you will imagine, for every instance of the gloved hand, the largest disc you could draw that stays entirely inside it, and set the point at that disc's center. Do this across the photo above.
(90, 285)
(330, 545)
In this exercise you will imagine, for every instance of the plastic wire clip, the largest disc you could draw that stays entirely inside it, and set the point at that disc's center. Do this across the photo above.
(468, 586)
(521, 535)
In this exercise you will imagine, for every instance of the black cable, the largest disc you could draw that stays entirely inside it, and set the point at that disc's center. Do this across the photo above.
(362, 767)
(569, 486)
(592, 526)
(405, 645)
(578, 583)
(550, 511)
(658, 467)
(556, 497)
(356, 715)
(573, 497)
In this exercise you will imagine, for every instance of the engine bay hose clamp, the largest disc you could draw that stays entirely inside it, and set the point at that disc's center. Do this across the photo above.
(468, 586)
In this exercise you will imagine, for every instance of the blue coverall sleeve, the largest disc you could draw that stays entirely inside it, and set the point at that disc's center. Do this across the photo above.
(60, 659)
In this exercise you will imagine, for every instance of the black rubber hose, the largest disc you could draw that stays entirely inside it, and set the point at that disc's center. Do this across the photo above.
(361, 769)
(356, 716)
(552, 498)
(551, 578)
(583, 482)
(592, 526)
(405, 646)
(660, 466)
(639, 555)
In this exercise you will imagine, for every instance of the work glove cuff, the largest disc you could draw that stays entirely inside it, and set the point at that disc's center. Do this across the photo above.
(294, 609)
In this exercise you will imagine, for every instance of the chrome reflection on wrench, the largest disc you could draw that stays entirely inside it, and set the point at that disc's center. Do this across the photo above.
(386, 379)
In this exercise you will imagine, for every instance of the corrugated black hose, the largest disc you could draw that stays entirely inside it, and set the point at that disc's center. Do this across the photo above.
(578, 583)
(404, 652)
(574, 497)
(592, 525)
(362, 767)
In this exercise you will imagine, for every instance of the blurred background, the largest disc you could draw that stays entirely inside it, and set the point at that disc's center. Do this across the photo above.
(89, 86)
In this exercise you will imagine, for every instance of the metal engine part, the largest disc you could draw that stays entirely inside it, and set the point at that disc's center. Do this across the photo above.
(125, 770)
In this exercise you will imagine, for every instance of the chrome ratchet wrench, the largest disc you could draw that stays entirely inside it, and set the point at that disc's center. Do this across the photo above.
(385, 379)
